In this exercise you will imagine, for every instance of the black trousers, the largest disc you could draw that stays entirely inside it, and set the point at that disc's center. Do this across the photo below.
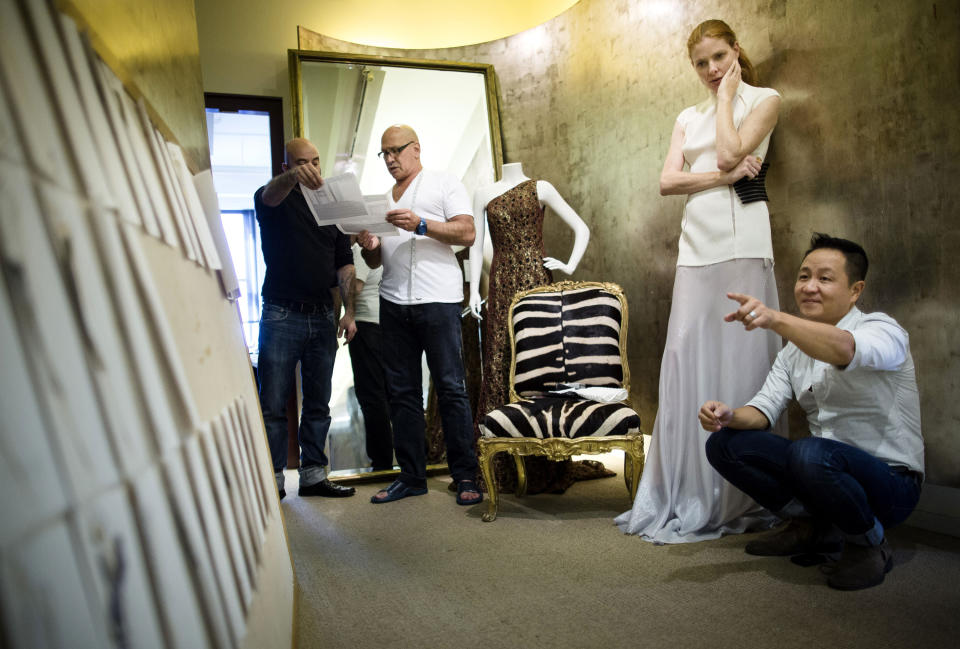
(366, 358)
(409, 331)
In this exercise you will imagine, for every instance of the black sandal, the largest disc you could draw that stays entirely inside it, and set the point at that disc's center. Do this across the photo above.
(468, 486)
(396, 491)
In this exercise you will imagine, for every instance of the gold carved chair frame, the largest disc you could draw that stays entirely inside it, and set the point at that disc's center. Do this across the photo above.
(560, 448)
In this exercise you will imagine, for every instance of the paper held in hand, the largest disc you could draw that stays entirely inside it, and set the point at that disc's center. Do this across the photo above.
(340, 202)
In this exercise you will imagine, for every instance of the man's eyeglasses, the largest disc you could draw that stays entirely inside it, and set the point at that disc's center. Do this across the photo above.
(394, 150)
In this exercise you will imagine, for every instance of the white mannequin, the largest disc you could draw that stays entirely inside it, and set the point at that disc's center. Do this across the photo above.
(547, 195)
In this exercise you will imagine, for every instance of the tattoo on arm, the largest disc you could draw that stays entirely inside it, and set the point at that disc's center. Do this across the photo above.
(345, 276)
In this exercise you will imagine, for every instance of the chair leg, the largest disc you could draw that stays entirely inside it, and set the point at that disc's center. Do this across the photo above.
(493, 490)
(521, 476)
(632, 468)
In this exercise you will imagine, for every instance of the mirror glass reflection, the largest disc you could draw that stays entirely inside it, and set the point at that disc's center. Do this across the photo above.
(344, 104)
(346, 107)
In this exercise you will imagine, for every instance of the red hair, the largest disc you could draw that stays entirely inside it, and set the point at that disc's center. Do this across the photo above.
(721, 30)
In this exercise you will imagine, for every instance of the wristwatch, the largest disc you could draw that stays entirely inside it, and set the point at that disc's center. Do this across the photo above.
(422, 227)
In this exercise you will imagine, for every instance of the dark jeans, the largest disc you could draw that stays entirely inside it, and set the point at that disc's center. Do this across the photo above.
(408, 332)
(366, 358)
(287, 337)
(836, 482)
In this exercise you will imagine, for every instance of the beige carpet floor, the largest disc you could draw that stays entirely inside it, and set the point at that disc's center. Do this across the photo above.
(553, 571)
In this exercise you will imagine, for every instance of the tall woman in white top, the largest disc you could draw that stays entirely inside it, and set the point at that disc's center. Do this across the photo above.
(724, 246)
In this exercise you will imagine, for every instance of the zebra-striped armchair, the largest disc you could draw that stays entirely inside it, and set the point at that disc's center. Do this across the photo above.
(569, 383)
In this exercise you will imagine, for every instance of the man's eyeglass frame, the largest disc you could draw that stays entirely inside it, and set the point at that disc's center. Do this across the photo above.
(394, 151)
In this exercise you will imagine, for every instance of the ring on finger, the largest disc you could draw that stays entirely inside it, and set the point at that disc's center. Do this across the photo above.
(753, 315)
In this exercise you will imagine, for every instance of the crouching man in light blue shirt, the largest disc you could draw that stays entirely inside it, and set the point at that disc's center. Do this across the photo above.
(861, 469)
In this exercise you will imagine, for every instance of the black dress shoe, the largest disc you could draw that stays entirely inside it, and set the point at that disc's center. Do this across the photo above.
(283, 494)
(327, 489)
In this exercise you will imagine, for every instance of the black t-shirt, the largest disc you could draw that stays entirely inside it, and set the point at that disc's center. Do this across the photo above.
(302, 257)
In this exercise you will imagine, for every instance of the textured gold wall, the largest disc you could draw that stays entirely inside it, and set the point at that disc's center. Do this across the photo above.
(154, 46)
(866, 148)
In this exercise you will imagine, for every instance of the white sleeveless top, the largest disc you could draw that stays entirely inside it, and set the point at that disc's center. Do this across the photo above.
(716, 225)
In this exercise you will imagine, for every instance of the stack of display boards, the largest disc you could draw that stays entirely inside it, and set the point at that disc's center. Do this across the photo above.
(138, 503)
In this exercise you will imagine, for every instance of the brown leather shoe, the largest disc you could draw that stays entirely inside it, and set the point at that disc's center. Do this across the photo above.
(327, 489)
(861, 566)
(799, 536)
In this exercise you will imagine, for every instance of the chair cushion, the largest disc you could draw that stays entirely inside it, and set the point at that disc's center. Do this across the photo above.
(560, 417)
(567, 337)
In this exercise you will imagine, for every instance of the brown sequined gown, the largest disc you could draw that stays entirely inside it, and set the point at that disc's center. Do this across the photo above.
(515, 218)
(516, 231)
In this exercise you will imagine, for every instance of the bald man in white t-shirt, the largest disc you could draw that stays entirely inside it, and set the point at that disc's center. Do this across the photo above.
(421, 294)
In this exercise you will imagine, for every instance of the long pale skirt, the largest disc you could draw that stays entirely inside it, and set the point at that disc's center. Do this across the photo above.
(681, 498)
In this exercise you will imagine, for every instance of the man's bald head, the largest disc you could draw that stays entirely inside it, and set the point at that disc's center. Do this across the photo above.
(400, 150)
(300, 151)
(404, 132)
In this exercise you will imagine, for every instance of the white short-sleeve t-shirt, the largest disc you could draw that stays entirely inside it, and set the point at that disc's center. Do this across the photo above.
(418, 269)
(716, 225)
(367, 301)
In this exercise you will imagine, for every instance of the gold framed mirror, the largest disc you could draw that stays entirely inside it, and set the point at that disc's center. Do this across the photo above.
(343, 103)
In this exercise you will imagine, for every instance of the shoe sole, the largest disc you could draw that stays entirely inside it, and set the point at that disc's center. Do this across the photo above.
(345, 493)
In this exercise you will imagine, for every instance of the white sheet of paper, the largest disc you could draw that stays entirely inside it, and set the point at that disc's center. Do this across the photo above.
(245, 476)
(134, 330)
(106, 81)
(111, 545)
(178, 601)
(194, 209)
(82, 59)
(207, 195)
(44, 600)
(51, 339)
(167, 183)
(261, 462)
(78, 139)
(10, 148)
(28, 473)
(340, 201)
(375, 221)
(29, 100)
(234, 489)
(220, 488)
(246, 471)
(143, 158)
(196, 548)
(213, 532)
(86, 283)
(164, 342)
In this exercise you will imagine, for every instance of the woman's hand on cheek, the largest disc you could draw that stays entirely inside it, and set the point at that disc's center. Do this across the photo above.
(730, 82)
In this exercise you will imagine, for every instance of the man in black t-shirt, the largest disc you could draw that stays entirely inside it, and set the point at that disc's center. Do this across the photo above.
(304, 261)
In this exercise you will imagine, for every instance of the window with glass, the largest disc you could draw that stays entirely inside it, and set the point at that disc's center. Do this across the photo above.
(245, 153)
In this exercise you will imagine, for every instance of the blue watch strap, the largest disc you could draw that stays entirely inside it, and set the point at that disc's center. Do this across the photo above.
(422, 227)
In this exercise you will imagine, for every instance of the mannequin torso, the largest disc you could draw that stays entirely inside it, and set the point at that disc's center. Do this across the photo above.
(547, 196)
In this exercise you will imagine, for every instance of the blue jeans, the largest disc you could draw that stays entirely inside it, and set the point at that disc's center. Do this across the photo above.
(287, 337)
(409, 331)
(834, 481)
